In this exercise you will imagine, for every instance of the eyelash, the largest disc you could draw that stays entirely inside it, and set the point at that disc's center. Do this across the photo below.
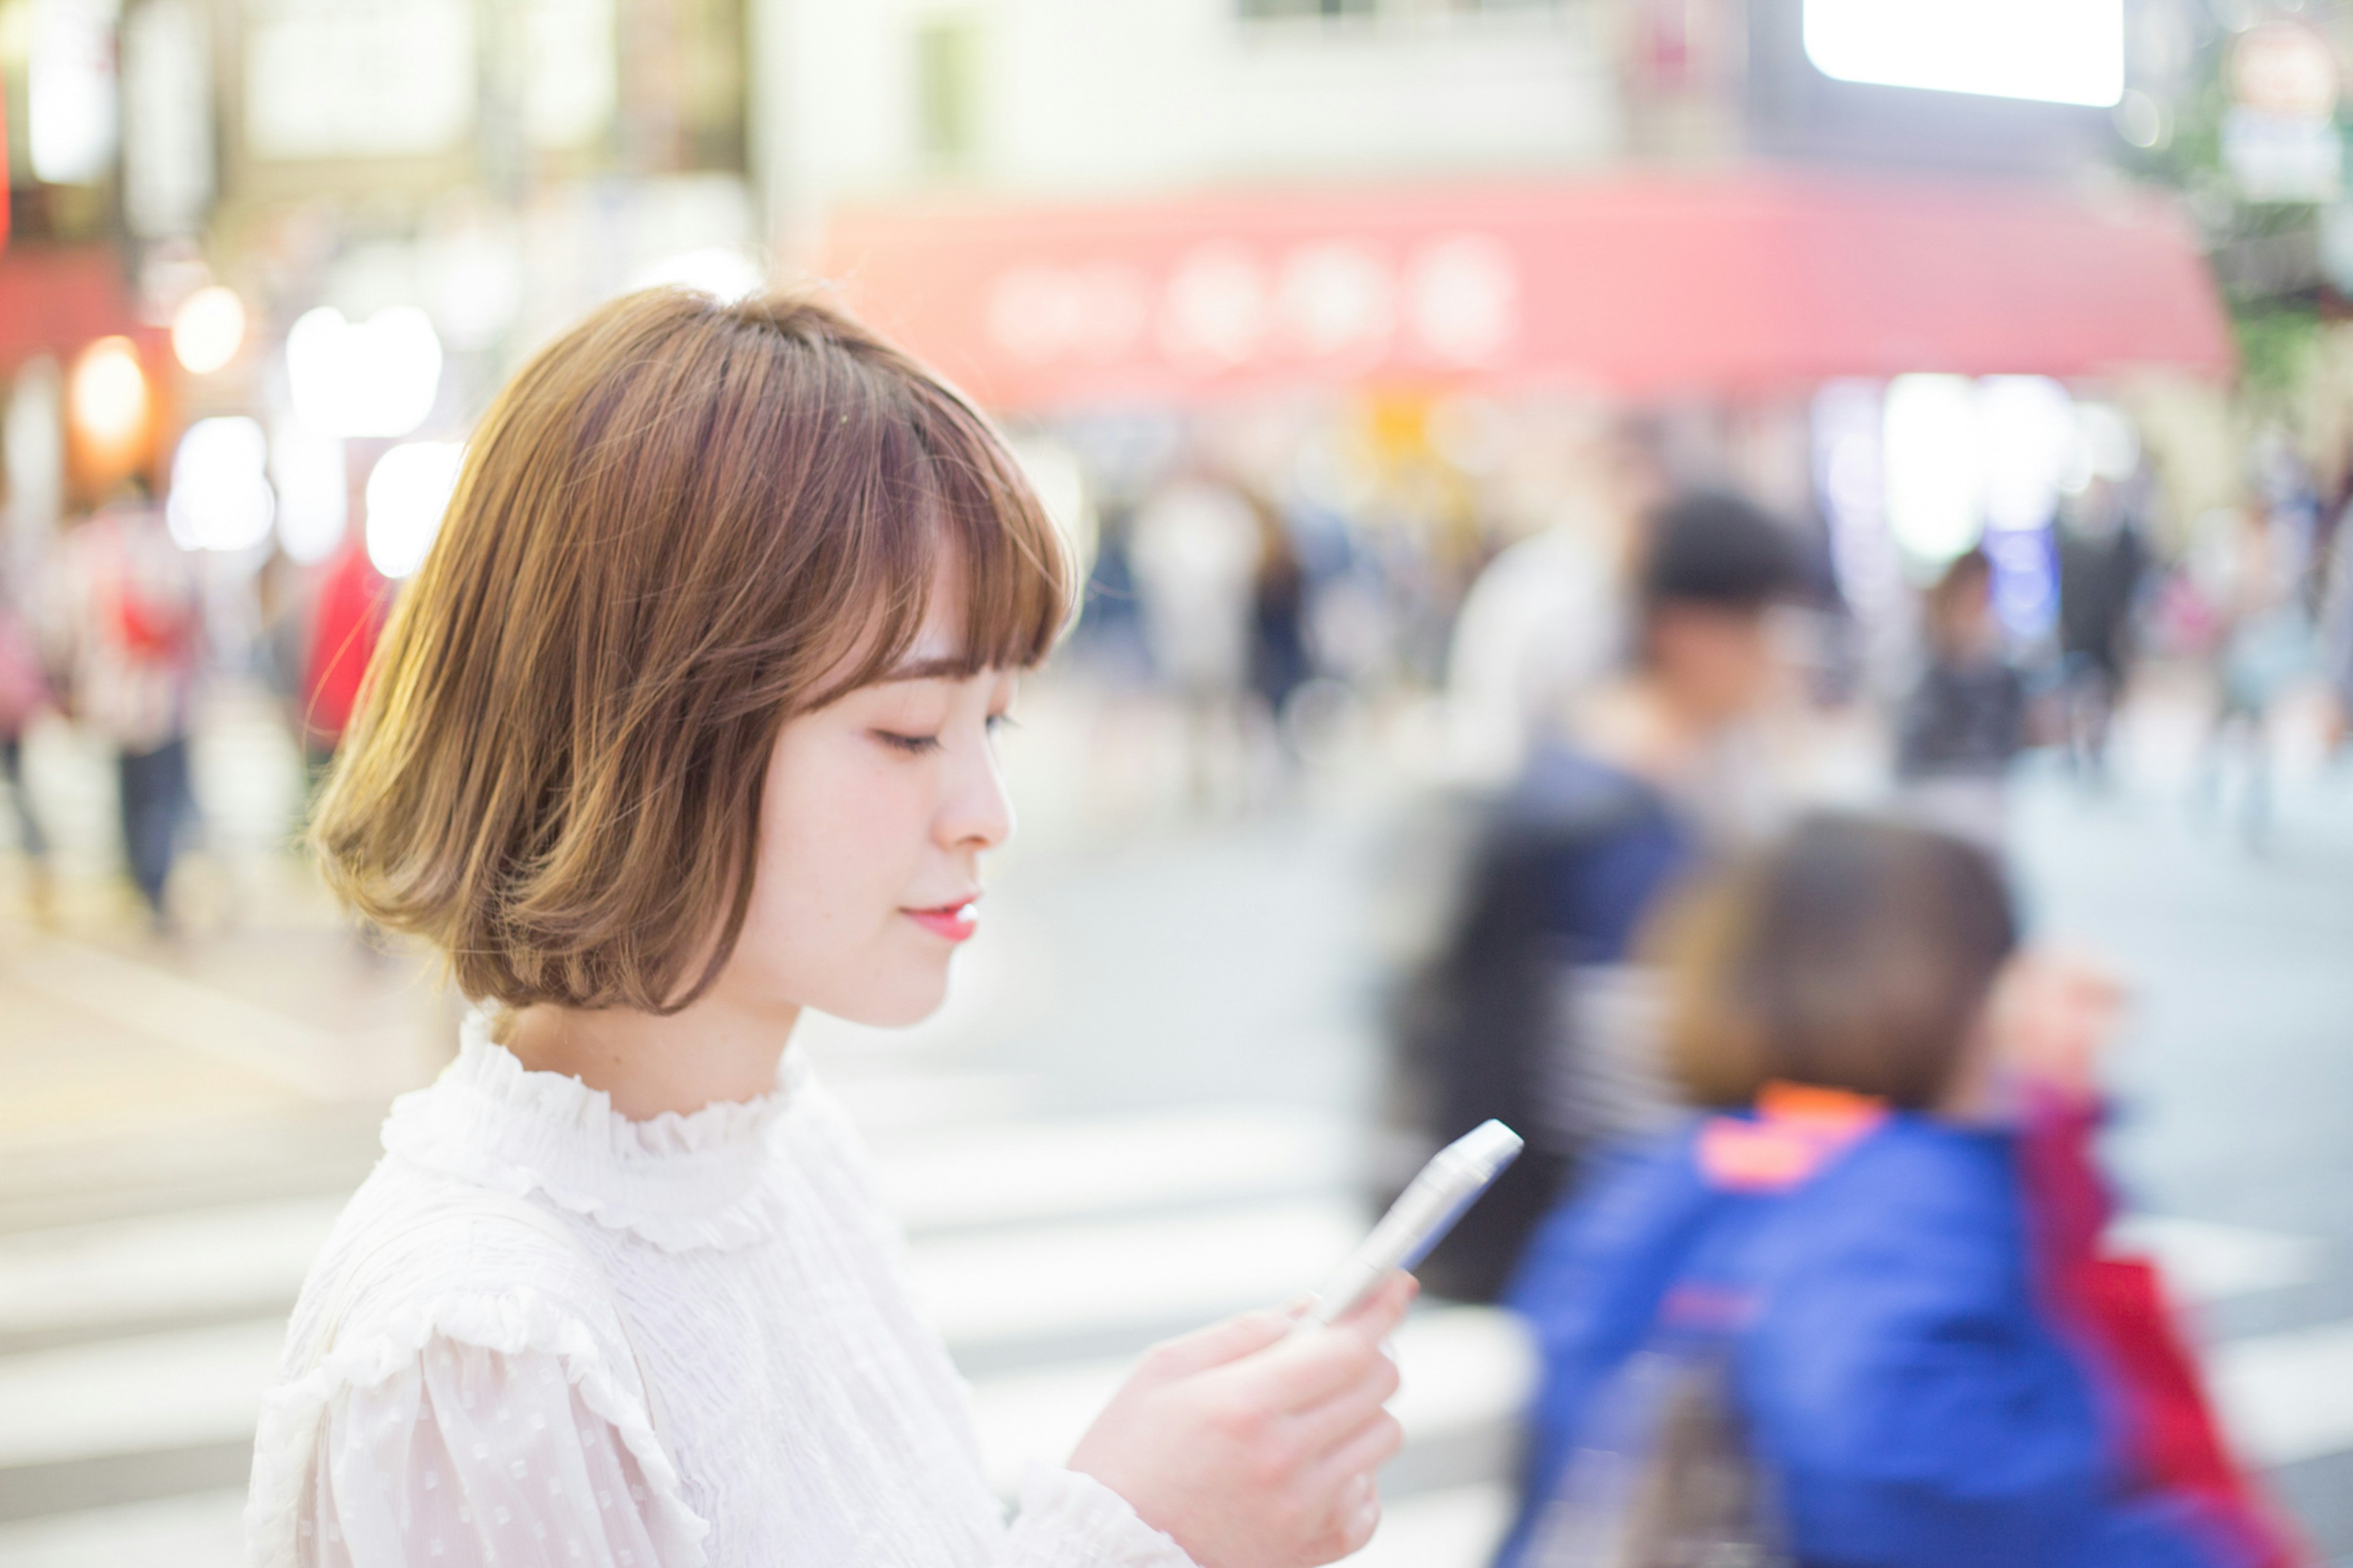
(919, 745)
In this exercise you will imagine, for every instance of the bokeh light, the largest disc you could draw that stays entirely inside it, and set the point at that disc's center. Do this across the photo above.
(376, 378)
(313, 490)
(220, 496)
(407, 491)
(106, 396)
(207, 330)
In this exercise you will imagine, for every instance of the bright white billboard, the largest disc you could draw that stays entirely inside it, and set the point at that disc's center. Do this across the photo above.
(2053, 51)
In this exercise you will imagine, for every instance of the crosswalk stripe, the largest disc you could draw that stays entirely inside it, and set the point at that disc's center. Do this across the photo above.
(2289, 1396)
(1103, 1164)
(1464, 1368)
(128, 1395)
(1053, 1280)
(1458, 1527)
(200, 1530)
(1455, 1528)
(2205, 1262)
(253, 1257)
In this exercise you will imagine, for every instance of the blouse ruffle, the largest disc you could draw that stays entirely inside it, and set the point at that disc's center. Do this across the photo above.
(679, 1182)
(518, 1322)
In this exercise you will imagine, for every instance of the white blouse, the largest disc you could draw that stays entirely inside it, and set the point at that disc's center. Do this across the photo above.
(544, 1334)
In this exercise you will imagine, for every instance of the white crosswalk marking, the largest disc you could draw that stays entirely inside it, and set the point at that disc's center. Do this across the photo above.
(2286, 1397)
(121, 1339)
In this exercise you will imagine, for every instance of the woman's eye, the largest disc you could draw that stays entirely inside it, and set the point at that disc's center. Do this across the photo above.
(1001, 722)
(913, 745)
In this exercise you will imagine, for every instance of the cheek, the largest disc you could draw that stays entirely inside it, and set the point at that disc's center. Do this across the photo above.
(839, 840)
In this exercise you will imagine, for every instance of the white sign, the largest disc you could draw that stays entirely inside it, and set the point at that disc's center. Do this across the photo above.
(358, 79)
(2053, 51)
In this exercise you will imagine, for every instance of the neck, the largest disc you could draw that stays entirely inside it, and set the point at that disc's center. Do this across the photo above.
(717, 1049)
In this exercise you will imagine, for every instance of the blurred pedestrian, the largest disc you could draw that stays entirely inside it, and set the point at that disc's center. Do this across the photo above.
(620, 1291)
(1858, 1314)
(347, 615)
(1196, 552)
(2267, 647)
(131, 612)
(2336, 631)
(1532, 1010)
(1278, 661)
(23, 693)
(2102, 564)
(1965, 721)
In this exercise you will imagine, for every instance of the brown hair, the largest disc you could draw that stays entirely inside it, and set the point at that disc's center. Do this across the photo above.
(681, 524)
(1854, 954)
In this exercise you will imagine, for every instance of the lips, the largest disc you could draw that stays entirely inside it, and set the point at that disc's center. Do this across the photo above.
(954, 922)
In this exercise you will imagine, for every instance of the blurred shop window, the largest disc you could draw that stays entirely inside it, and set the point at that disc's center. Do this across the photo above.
(681, 85)
(1254, 9)
(70, 90)
(167, 118)
(571, 85)
(358, 79)
(947, 92)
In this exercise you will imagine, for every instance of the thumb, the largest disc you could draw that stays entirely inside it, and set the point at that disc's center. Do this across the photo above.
(1223, 1341)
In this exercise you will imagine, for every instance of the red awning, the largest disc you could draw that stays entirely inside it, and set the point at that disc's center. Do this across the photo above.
(1641, 287)
(56, 299)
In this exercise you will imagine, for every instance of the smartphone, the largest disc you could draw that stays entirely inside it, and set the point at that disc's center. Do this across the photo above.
(1420, 1218)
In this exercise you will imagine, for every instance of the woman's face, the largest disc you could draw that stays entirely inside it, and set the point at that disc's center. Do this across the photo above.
(872, 822)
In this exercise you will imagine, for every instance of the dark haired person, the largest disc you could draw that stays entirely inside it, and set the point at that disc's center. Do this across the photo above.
(1965, 718)
(1878, 1237)
(1532, 1011)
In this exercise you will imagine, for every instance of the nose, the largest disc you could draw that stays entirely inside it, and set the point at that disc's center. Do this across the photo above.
(975, 808)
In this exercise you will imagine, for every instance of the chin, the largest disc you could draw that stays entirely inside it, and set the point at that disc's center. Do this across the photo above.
(896, 1005)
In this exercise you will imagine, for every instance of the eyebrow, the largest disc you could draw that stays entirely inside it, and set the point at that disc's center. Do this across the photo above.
(954, 669)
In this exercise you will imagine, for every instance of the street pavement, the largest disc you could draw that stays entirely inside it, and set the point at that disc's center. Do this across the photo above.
(1145, 1106)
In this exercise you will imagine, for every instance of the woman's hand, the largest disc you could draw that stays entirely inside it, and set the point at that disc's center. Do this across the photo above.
(1254, 1448)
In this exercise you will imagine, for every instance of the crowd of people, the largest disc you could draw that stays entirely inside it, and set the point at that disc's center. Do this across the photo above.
(1808, 1229)
(118, 629)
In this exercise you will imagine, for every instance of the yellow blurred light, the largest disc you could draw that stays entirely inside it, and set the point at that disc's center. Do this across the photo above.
(208, 329)
(106, 397)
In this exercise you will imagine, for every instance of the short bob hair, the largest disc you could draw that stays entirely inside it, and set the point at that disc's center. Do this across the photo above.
(682, 524)
(1856, 954)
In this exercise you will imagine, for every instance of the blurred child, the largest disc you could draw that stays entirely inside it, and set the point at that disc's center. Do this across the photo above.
(1861, 1303)
(1967, 718)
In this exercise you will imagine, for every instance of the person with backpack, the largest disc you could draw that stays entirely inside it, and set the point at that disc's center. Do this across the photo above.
(1856, 1315)
(1533, 1011)
(132, 613)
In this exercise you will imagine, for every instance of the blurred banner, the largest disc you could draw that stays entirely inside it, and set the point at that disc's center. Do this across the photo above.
(1641, 287)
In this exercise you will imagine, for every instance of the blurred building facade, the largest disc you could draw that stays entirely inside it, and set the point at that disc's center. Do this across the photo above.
(1400, 254)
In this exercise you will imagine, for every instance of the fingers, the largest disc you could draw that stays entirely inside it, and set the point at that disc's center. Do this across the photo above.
(1309, 1368)
(1356, 1516)
(1374, 1445)
(1217, 1345)
(1325, 1426)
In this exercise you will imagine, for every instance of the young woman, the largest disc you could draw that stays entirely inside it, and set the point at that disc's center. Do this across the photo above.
(1883, 1252)
(685, 726)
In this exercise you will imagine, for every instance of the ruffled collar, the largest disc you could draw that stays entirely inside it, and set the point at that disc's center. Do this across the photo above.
(679, 1182)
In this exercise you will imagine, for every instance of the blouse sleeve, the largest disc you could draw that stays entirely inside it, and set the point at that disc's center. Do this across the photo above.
(468, 1457)
(1071, 1521)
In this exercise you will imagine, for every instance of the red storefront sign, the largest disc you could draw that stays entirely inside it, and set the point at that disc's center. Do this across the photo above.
(1640, 287)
